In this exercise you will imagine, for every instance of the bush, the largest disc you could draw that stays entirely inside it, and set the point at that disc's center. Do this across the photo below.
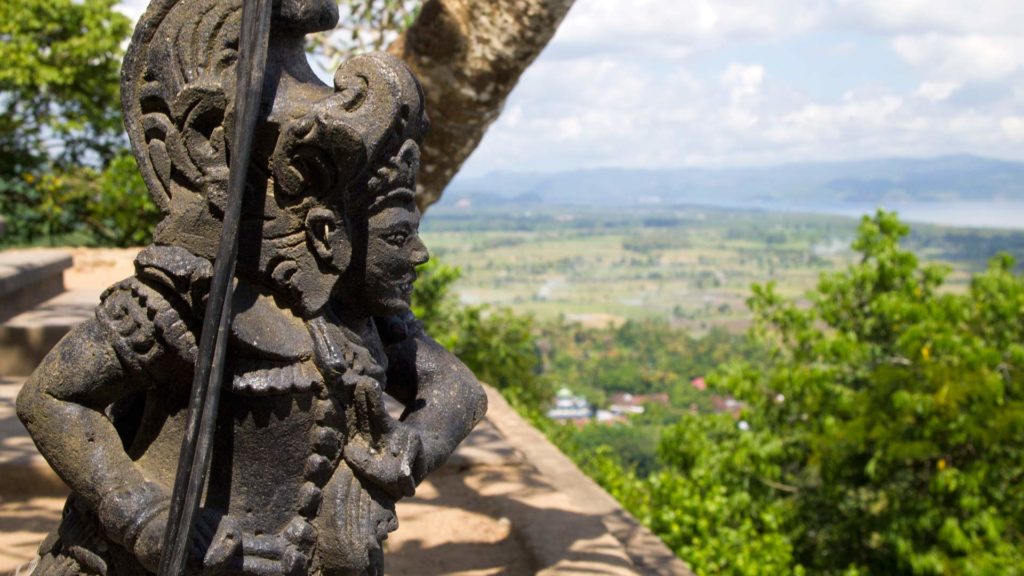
(883, 431)
(495, 343)
(119, 211)
(80, 206)
(44, 209)
(886, 427)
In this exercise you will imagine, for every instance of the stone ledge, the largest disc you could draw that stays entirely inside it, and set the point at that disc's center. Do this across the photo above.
(23, 471)
(645, 550)
(26, 338)
(28, 277)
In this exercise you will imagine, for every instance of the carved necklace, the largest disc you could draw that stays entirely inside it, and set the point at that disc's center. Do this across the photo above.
(344, 364)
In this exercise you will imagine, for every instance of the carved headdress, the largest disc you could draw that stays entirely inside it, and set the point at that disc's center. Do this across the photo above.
(314, 143)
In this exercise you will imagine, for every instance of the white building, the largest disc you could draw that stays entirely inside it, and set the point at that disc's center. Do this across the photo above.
(568, 406)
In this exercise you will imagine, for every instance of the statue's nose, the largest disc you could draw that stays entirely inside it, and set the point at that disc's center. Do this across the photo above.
(420, 255)
(409, 154)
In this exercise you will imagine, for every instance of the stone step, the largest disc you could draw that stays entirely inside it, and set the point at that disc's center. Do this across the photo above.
(31, 494)
(26, 338)
(29, 277)
(22, 470)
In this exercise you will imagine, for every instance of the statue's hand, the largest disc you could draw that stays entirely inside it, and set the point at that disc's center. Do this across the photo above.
(390, 462)
(384, 450)
(216, 540)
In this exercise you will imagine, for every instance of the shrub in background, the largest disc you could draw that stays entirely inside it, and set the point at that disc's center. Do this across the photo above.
(79, 205)
(495, 343)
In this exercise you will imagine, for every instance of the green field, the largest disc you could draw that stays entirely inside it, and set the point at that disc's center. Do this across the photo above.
(692, 266)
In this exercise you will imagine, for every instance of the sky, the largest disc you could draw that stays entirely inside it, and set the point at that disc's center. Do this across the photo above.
(674, 83)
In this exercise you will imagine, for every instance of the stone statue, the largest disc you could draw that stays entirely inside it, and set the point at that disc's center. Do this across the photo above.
(307, 462)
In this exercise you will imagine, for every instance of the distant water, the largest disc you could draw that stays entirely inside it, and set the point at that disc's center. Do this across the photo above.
(964, 214)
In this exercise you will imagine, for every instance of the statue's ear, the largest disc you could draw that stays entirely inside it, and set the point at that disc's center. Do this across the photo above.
(326, 234)
(203, 121)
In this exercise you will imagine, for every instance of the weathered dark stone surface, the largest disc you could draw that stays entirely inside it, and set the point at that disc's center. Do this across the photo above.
(307, 465)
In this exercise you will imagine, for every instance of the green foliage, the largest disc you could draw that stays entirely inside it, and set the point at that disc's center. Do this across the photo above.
(883, 431)
(80, 205)
(59, 82)
(714, 503)
(39, 208)
(120, 211)
(633, 447)
(638, 357)
(495, 343)
(887, 424)
(432, 301)
(374, 22)
(715, 517)
(65, 176)
(369, 25)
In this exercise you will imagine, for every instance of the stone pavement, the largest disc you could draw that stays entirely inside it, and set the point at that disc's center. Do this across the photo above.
(26, 338)
(31, 496)
(46, 292)
(28, 277)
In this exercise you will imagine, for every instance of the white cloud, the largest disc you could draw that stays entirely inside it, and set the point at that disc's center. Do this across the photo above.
(843, 48)
(743, 82)
(682, 24)
(627, 83)
(970, 57)
(823, 124)
(1013, 126)
(513, 115)
(661, 83)
(944, 16)
(568, 128)
(936, 91)
(612, 112)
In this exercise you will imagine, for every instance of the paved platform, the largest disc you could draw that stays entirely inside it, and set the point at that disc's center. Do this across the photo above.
(28, 277)
(26, 338)
(31, 495)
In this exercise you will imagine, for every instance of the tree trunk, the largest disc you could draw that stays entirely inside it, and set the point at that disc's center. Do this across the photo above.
(469, 55)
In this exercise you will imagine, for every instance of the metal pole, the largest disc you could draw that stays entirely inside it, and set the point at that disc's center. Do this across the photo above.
(197, 444)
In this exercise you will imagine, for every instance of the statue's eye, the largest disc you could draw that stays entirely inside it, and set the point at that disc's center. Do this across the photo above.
(397, 238)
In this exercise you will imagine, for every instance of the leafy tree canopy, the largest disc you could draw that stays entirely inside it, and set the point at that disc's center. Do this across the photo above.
(65, 173)
(883, 434)
(59, 82)
(898, 412)
(366, 25)
(495, 343)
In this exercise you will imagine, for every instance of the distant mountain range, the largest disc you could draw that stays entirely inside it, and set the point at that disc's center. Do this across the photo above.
(881, 181)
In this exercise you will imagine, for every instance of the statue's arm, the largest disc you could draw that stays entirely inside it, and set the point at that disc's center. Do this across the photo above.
(443, 399)
(62, 405)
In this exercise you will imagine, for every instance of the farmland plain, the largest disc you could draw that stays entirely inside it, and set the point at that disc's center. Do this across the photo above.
(690, 265)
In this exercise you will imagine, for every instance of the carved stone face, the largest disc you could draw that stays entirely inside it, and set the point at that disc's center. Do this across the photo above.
(312, 142)
(393, 252)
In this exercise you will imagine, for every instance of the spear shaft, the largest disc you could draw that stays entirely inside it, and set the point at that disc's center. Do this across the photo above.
(197, 444)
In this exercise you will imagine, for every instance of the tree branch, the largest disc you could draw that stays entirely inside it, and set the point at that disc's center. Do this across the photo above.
(469, 55)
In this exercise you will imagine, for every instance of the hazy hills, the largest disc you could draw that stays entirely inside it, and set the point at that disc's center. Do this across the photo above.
(881, 181)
